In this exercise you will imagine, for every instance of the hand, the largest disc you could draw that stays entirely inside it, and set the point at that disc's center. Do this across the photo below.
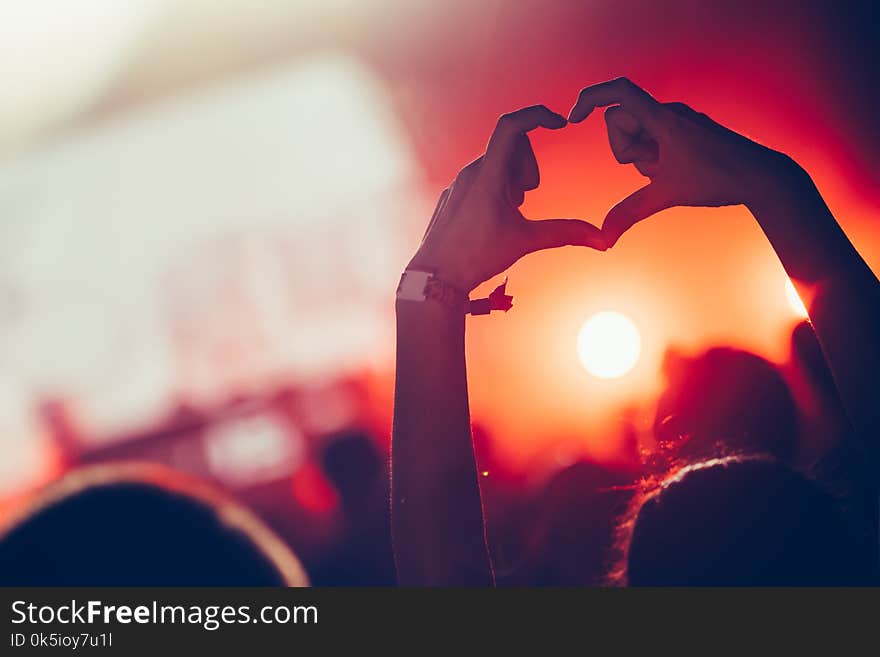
(690, 159)
(477, 230)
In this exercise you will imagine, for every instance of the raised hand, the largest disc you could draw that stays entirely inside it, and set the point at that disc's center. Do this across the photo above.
(690, 159)
(477, 230)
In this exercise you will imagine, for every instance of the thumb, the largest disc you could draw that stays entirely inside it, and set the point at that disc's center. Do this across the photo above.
(639, 205)
(553, 233)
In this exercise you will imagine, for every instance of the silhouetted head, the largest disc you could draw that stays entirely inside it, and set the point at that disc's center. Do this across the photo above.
(725, 400)
(354, 465)
(138, 525)
(578, 510)
(741, 522)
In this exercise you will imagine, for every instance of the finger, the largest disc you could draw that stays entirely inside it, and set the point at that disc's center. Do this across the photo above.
(626, 137)
(553, 233)
(515, 196)
(681, 109)
(688, 112)
(460, 186)
(639, 205)
(525, 175)
(438, 209)
(619, 91)
(649, 166)
(510, 127)
(469, 173)
(699, 118)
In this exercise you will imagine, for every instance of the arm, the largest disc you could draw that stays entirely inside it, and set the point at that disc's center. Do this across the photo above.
(691, 160)
(437, 514)
(839, 289)
(476, 233)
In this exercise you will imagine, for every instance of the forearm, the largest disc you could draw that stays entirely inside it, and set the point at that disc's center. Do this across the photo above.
(839, 289)
(475, 233)
(437, 519)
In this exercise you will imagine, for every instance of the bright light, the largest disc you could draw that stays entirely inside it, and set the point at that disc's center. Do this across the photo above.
(57, 58)
(200, 193)
(794, 299)
(609, 345)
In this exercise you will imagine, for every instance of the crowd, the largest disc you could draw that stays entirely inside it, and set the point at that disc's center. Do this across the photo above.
(758, 474)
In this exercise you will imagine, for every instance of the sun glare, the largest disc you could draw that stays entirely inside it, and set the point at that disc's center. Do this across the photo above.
(609, 345)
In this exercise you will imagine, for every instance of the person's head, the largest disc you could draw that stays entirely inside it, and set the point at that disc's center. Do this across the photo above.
(725, 400)
(740, 522)
(578, 509)
(354, 465)
(131, 525)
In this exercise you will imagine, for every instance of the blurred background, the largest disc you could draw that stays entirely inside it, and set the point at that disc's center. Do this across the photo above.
(205, 207)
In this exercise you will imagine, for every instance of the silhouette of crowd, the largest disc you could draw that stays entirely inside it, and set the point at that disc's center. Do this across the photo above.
(758, 473)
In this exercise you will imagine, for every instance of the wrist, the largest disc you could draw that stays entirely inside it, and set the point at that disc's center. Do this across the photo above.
(444, 268)
(774, 178)
(420, 288)
(422, 318)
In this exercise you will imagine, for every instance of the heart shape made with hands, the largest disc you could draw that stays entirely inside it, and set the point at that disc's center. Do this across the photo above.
(631, 143)
(477, 230)
(688, 158)
(630, 140)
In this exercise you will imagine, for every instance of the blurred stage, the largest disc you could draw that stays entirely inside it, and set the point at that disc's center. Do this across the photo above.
(205, 206)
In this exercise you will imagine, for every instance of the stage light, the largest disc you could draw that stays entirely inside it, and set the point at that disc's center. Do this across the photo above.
(132, 234)
(57, 58)
(248, 450)
(794, 299)
(609, 345)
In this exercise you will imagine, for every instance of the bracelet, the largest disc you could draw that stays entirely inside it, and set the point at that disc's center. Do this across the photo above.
(498, 299)
(418, 285)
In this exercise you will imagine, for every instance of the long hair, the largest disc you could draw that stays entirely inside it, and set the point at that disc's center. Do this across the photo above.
(737, 520)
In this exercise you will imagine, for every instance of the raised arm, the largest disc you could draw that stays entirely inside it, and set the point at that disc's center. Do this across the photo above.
(691, 160)
(476, 232)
